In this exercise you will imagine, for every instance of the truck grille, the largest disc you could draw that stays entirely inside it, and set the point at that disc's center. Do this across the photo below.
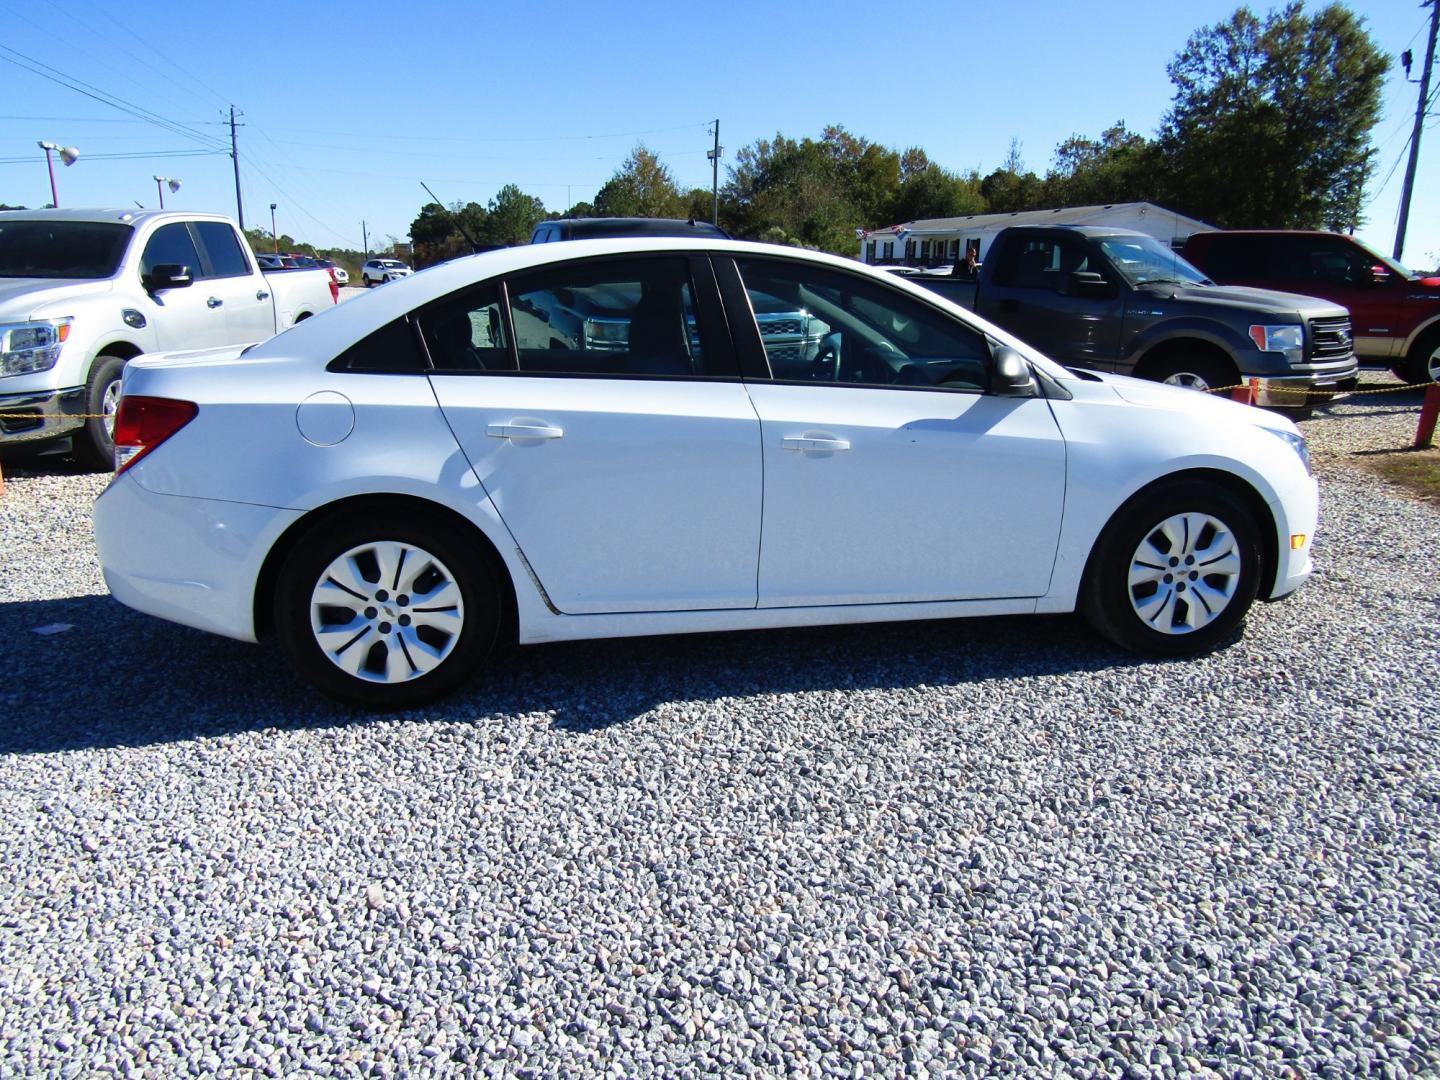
(1330, 339)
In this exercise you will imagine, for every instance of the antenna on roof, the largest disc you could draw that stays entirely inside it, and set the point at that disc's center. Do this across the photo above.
(454, 218)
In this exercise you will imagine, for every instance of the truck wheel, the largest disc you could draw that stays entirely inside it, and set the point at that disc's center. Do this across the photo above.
(1422, 365)
(95, 445)
(1192, 372)
(1174, 572)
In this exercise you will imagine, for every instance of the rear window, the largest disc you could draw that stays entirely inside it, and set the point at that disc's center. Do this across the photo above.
(392, 348)
(226, 258)
(61, 249)
(1235, 258)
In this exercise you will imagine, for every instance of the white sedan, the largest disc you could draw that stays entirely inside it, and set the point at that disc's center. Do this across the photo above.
(601, 439)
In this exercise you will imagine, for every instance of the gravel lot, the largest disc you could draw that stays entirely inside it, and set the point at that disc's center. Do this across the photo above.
(974, 848)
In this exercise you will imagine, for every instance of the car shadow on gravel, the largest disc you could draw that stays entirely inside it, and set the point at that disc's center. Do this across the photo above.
(100, 675)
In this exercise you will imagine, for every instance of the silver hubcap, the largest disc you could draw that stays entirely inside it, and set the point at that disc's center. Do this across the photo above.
(1184, 573)
(1432, 365)
(109, 406)
(1187, 379)
(387, 612)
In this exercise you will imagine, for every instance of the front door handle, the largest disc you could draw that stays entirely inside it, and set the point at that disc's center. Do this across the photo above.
(214, 302)
(813, 444)
(524, 431)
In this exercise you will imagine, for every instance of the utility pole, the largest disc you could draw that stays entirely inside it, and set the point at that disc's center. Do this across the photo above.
(714, 156)
(235, 158)
(365, 240)
(1434, 6)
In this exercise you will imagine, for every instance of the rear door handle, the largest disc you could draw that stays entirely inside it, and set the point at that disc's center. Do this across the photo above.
(261, 294)
(814, 445)
(524, 431)
(214, 302)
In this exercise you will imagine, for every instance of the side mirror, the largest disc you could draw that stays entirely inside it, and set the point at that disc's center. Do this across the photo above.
(168, 276)
(1011, 375)
(1379, 275)
(1089, 283)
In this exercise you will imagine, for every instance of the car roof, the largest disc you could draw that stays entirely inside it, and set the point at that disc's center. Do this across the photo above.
(578, 228)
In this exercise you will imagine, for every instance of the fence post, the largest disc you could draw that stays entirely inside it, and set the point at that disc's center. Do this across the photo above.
(1244, 393)
(1424, 433)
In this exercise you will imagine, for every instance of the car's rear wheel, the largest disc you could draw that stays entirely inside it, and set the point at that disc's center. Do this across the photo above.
(1422, 365)
(1175, 571)
(383, 612)
(95, 445)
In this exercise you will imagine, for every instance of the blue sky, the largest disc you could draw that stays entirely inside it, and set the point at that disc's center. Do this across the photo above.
(348, 106)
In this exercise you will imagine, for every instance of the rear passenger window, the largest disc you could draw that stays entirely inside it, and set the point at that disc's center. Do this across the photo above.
(392, 348)
(467, 333)
(631, 317)
(226, 258)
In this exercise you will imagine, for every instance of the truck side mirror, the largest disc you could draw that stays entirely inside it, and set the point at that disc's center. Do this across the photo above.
(1089, 283)
(167, 276)
(1011, 376)
(1379, 275)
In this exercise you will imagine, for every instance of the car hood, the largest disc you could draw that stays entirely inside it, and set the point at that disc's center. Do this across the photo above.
(1265, 301)
(1192, 402)
(20, 297)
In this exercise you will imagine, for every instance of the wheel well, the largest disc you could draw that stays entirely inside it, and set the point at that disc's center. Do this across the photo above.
(122, 349)
(1167, 351)
(1254, 502)
(406, 504)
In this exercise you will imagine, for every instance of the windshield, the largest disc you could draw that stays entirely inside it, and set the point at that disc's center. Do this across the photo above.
(1143, 260)
(61, 249)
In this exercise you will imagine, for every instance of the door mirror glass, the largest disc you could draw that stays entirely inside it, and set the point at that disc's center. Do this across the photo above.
(168, 276)
(1011, 375)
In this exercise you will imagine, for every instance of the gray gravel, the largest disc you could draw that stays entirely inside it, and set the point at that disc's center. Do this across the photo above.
(972, 848)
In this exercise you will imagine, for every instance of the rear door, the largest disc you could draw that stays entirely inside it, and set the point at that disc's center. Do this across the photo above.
(244, 293)
(599, 404)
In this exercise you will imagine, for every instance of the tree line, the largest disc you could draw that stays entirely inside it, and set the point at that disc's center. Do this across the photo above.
(1269, 126)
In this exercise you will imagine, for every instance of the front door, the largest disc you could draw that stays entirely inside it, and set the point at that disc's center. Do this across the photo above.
(891, 474)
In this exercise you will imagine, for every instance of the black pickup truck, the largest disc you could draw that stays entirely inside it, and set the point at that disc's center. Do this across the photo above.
(1116, 300)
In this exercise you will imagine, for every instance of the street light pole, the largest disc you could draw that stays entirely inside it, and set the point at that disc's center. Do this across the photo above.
(68, 154)
(174, 186)
(273, 234)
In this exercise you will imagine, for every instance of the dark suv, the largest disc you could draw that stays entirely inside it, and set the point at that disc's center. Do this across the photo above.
(595, 228)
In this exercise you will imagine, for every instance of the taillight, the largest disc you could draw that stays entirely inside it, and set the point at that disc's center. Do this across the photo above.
(143, 423)
(334, 287)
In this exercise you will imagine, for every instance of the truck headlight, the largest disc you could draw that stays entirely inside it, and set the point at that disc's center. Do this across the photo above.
(1278, 338)
(31, 346)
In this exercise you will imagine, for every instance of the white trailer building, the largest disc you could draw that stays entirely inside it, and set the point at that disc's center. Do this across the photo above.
(942, 241)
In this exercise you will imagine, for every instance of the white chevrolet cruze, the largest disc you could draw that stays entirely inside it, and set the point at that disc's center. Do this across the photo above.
(622, 437)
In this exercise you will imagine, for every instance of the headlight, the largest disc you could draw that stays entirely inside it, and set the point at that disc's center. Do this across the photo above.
(1278, 338)
(32, 346)
(1297, 443)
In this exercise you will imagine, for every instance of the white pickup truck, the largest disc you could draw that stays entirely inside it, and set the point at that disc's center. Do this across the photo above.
(84, 291)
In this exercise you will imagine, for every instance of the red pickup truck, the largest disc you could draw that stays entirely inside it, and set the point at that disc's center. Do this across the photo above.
(1395, 312)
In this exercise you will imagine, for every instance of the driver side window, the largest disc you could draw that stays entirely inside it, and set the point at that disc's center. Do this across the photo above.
(821, 325)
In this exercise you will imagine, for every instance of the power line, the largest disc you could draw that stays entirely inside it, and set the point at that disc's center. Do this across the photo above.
(142, 155)
(94, 92)
(490, 139)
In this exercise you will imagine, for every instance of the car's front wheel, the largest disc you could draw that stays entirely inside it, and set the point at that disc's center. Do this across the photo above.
(1175, 571)
(95, 444)
(384, 611)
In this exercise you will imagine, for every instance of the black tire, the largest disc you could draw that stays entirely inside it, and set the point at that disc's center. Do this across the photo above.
(1422, 363)
(95, 444)
(1194, 372)
(396, 630)
(1113, 604)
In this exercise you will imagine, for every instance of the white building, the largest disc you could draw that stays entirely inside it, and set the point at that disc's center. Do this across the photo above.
(942, 241)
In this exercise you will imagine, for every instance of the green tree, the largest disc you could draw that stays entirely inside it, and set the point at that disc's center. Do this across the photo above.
(511, 217)
(641, 187)
(1120, 166)
(1012, 187)
(1271, 120)
(436, 232)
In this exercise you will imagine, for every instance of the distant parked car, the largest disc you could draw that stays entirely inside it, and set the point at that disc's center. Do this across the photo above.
(597, 228)
(378, 271)
(342, 276)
